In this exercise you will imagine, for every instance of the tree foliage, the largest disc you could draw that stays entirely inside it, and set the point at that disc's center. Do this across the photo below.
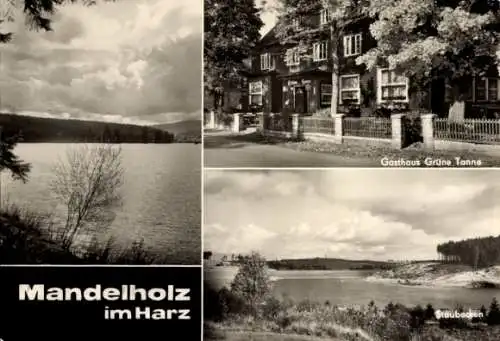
(478, 252)
(10, 161)
(427, 39)
(37, 13)
(493, 317)
(231, 31)
(251, 283)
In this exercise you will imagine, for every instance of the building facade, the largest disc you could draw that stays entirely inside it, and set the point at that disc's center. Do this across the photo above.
(281, 79)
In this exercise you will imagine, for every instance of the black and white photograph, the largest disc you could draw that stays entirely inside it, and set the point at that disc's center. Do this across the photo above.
(348, 83)
(101, 128)
(351, 255)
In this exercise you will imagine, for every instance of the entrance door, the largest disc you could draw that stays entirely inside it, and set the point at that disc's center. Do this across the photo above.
(300, 100)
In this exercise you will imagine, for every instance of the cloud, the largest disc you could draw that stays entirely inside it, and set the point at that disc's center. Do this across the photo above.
(128, 61)
(389, 214)
(229, 240)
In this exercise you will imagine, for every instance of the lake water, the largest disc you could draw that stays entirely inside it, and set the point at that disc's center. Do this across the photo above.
(351, 288)
(161, 195)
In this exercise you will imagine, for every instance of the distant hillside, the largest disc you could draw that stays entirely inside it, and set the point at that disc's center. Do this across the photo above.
(327, 264)
(36, 129)
(311, 263)
(184, 130)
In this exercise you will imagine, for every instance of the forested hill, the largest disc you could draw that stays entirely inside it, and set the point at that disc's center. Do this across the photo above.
(36, 129)
(479, 252)
(326, 264)
(184, 131)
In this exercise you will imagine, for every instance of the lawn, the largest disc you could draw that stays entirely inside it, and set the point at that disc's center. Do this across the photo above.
(358, 149)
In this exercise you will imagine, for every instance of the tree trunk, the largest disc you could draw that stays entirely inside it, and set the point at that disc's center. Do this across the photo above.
(215, 101)
(456, 113)
(221, 100)
(335, 72)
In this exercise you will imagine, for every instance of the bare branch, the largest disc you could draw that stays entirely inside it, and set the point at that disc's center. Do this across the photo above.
(87, 182)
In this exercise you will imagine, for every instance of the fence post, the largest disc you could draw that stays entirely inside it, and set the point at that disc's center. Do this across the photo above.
(211, 119)
(339, 128)
(427, 121)
(236, 123)
(397, 131)
(260, 117)
(295, 125)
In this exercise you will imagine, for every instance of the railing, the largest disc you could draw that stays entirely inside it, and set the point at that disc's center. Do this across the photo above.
(323, 125)
(278, 122)
(481, 131)
(371, 127)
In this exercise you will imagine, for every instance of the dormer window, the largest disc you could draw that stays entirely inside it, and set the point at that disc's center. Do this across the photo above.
(266, 62)
(352, 44)
(324, 16)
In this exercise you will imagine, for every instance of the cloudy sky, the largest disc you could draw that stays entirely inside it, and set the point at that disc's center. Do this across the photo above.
(130, 61)
(348, 213)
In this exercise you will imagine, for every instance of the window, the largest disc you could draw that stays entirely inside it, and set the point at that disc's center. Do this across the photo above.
(266, 62)
(324, 16)
(392, 86)
(352, 44)
(325, 93)
(255, 93)
(486, 89)
(350, 90)
(320, 51)
(292, 57)
(295, 23)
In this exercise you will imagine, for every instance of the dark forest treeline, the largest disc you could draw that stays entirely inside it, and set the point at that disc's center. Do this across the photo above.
(326, 264)
(37, 129)
(477, 252)
(307, 263)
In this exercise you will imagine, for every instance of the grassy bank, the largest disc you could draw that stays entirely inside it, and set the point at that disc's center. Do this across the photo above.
(313, 319)
(30, 238)
(247, 308)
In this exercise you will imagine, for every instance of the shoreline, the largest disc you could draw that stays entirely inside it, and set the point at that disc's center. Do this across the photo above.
(424, 275)
(435, 275)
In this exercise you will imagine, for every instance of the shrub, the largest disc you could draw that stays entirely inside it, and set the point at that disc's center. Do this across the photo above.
(232, 304)
(225, 118)
(272, 308)
(412, 129)
(251, 284)
(494, 313)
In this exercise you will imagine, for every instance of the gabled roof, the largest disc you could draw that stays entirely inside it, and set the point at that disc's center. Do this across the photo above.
(270, 37)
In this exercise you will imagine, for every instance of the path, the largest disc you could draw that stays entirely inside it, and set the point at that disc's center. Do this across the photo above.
(224, 150)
